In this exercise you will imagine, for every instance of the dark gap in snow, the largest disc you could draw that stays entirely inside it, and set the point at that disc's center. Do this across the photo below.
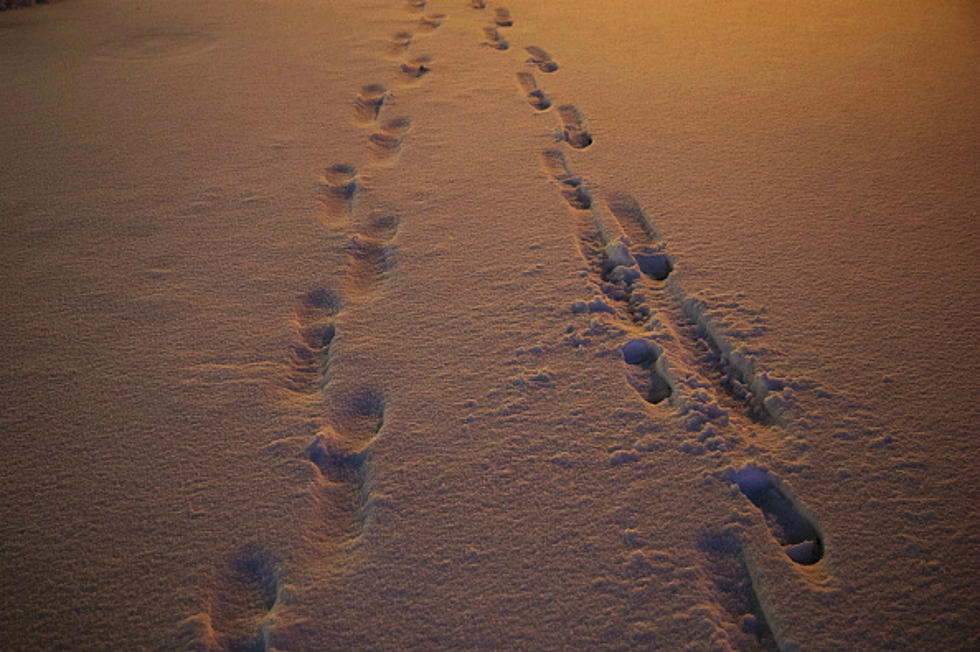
(800, 538)
(650, 383)
(732, 587)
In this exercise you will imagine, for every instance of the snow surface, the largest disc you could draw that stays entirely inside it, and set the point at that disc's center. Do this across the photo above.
(389, 324)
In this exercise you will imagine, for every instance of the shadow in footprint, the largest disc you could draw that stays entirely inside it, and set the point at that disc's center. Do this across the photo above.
(416, 68)
(574, 130)
(399, 43)
(731, 586)
(359, 415)
(370, 99)
(541, 59)
(385, 143)
(342, 455)
(371, 254)
(799, 537)
(370, 262)
(494, 39)
(315, 329)
(431, 22)
(572, 187)
(338, 189)
(244, 593)
(535, 96)
(645, 377)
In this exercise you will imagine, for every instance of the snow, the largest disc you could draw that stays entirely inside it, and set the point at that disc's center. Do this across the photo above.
(418, 325)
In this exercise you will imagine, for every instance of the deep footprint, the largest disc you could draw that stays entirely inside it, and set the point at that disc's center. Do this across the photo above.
(535, 96)
(574, 130)
(731, 586)
(572, 187)
(501, 17)
(244, 593)
(799, 537)
(645, 377)
(541, 59)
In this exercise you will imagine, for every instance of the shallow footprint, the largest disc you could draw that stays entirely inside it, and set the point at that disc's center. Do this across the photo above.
(502, 17)
(386, 142)
(572, 187)
(371, 255)
(431, 22)
(400, 42)
(494, 39)
(478, 4)
(535, 96)
(338, 189)
(541, 59)
(799, 537)
(574, 130)
(369, 101)
(416, 68)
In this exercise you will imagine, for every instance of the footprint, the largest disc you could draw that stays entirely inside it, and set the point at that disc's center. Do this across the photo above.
(360, 415)
(416, 68)
(369, 101)
(574, 130)
(244, 594)
(651, 257)
(381, 226)
(541, 59)
(572, 187)
(369, 263)
(400, 42)
(478, 4)
(337, 461)
(731, 587)
(416, 6)
(386, 142)
(799, 537)
(341, 452)
(535, 96)
(431, 22)
(494, 39)
(646, 375)
(338, 189)
(371, 254)
(501, 17)
(315, 330)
